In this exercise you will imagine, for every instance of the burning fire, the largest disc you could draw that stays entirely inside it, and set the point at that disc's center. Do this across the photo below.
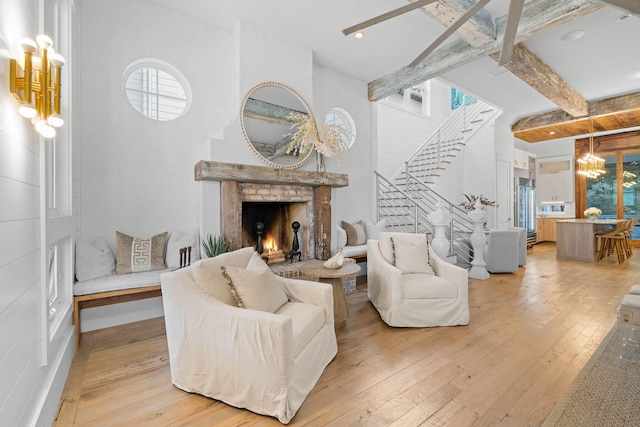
(269, 245)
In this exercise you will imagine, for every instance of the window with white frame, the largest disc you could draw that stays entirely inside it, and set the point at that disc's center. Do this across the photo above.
(415, 99)
(59, 267)
(341, 118)
(156, 89)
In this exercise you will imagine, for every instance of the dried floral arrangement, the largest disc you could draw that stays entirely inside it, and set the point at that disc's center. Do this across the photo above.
(469, 204)
(327, 141)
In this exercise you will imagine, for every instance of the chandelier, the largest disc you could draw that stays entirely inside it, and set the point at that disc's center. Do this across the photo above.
(590, 165)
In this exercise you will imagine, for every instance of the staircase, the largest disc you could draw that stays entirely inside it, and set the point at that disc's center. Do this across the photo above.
(408, 197)
(430, 159)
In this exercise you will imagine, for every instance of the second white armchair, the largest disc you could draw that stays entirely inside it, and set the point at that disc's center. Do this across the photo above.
(411, 286)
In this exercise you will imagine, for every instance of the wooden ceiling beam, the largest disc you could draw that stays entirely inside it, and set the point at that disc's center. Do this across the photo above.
(529, 68)
(609, 114)
(537, 16)
(479, 30)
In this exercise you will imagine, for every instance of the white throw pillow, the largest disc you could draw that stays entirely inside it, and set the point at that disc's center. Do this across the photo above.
(373, 230)
(181, 239)
(411, 253)
(255, 290)
(93, 259)
(341, 237)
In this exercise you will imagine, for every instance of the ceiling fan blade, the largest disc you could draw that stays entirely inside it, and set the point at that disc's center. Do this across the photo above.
(464, 18)
(385, 16)
(631, 6)
(510, 31)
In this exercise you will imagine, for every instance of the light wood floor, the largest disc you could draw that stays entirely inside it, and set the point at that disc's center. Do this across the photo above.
(529, 336)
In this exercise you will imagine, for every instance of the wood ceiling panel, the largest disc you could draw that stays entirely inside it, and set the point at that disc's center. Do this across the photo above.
(581, 126)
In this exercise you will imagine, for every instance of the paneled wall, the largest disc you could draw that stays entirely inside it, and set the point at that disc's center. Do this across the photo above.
(34, 359)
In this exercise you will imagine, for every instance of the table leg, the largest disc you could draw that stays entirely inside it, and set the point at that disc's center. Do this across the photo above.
(340, 309)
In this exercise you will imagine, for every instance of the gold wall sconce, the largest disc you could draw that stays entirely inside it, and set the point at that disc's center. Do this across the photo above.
(38, 88)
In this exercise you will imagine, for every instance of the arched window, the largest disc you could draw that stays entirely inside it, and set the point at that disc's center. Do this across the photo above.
(339, 117)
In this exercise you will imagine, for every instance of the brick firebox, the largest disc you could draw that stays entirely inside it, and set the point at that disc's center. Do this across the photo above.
(246, 183)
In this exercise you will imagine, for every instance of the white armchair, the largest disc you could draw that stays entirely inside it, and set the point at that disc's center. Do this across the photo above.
(262, 361)
(403, 290)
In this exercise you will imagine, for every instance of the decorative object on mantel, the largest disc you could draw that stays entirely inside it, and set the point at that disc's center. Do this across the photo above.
(592, 213)
(472, 202)
(478, 240)
(327, 141)
(215, 245)
(335, 261)
(590, 165)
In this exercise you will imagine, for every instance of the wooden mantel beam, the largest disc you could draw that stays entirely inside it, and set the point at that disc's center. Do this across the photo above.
(536, 73)
(537, 16)
(480, 29)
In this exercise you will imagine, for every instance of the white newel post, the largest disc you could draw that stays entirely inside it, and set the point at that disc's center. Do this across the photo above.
(478, 242)
(440, 219)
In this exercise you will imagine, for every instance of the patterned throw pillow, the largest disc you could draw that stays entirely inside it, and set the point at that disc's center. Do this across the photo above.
(135, 255)
(355, 233)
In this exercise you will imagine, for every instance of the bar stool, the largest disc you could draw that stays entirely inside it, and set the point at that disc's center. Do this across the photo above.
(627, 234)
(613, 241)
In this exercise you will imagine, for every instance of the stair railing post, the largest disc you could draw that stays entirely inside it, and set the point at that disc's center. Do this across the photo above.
(377, 197)
(415, 222)
(451, 228)
(406, 174)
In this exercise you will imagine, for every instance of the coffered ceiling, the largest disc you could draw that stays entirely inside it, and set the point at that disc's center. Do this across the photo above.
(554, 81)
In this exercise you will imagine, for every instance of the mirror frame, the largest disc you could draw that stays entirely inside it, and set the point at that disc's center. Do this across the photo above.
(272, 164)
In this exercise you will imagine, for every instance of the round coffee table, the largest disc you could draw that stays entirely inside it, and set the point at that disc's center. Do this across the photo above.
(334, 278)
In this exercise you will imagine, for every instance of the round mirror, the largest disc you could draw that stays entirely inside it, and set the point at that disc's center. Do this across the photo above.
(269, 115)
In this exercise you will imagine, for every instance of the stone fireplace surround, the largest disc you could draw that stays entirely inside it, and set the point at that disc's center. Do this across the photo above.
(248, 183)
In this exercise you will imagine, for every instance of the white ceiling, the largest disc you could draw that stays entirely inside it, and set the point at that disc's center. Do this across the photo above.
(603, 63)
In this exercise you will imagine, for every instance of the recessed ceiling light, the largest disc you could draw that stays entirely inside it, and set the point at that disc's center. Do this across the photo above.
(623, 17)
(572, 35)
(552, 133)
(359, 35)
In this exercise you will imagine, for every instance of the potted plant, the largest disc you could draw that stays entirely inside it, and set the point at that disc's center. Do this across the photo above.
(215, 245)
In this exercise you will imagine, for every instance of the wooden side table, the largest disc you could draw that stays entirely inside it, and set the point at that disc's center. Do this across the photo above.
(334, 278)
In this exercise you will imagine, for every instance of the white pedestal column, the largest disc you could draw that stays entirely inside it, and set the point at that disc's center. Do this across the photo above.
(478, 241)
(440, 219)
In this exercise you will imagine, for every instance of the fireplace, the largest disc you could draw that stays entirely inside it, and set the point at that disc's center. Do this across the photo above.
(294, 195)
(277, 232)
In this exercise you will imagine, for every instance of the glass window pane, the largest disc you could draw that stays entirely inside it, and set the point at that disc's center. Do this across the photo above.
(602, 191)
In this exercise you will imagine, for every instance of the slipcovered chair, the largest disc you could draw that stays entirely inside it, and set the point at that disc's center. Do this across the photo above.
(411, 286)
(502, 252)
(522, 245)
(265, 357)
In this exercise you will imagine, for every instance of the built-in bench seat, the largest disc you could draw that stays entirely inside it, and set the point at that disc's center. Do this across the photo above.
(113, 289)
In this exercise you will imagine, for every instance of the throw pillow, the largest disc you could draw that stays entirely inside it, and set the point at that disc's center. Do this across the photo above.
(341, 237)
(411, 253)
(373, 230)
(135, 255)
(355, 233)
(181, 239)
(93, 259)
(255, 290)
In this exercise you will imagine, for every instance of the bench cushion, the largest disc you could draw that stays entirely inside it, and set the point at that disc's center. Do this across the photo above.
(116, 282)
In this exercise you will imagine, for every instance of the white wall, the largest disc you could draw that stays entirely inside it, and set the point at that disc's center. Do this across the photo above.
(33, 370)
(400, 132)
(137, 174)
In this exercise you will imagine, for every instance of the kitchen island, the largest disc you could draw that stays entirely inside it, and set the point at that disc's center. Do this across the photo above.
(576, 238)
